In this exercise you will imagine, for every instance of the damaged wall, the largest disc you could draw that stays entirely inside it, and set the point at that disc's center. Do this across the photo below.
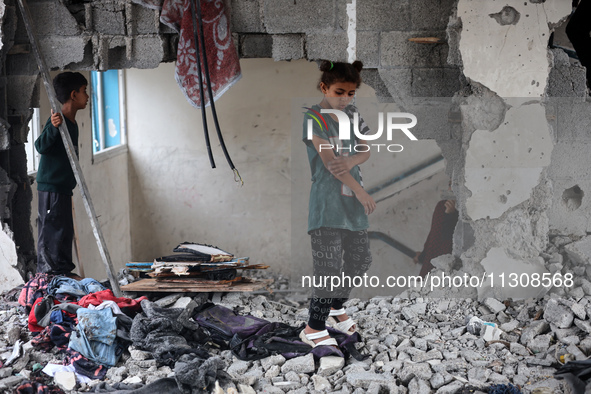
(499, 49)
(77, 36)
(508, 134)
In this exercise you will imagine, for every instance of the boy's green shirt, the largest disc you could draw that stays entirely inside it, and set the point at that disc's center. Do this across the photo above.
(55, 173)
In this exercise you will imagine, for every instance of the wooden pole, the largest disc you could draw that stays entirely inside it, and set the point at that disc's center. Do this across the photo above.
(56, 106)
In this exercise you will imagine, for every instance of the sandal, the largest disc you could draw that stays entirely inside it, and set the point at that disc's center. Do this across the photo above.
(344, 326)
(308, 339)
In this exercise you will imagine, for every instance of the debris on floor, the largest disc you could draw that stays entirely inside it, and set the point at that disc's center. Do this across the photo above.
(196, 267)
(189, 342)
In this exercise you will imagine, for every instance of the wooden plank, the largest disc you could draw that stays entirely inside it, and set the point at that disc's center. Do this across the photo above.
(426, 40)
(190, 286)
(69, 146)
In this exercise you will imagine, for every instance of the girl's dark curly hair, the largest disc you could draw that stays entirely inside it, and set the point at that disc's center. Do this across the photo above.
(333, 72)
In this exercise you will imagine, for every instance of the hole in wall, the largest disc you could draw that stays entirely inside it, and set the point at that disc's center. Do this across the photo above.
(507, 16)
(572, 198)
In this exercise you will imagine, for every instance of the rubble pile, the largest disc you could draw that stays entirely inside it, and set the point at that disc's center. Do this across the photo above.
(414, 343)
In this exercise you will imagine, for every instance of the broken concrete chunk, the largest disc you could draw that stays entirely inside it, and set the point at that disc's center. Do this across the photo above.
(9, 276)
(494, 305)
(238, 368)
(409, 371)
(450, 388)
(321, 383)
(65, 380)
(168, 300)
(444, 262)
(580, 251)
(181, 302)
(584, 325)
(558, 314)
(303, 364)
(268, 362)
(579, 311)
(540, 344)
(490, 333)
(364, 379)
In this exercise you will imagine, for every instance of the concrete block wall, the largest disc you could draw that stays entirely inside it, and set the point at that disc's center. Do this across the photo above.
(95, 35)
(318, 30)
(100, 35)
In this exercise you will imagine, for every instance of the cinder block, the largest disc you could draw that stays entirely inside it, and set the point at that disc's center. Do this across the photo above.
(288, 47)
(368, 50)
(141, 20)
(435, 82)
(432, 118)
(108, 17)
(371, 77)
(256, 45)
(246, 16)
(146, 52)
(287, 16)
(53, 18)
(398, 82)
(170, 47)
(567, 81)
(430, 14)
(397, 50)
(329, 46)
(61, 51)
(383, 15)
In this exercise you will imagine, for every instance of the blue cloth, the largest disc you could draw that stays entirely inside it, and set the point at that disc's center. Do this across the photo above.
(95, 336)
(56, 317)
(65, 285)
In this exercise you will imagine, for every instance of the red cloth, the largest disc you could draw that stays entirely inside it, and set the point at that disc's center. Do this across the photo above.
(222, 58)
(33, 326)
(440, 238)
(107, 295)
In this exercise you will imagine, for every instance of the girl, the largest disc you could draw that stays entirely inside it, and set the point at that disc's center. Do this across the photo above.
(339, 205)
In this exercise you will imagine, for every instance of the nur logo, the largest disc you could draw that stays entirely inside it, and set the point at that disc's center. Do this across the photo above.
(345, 129)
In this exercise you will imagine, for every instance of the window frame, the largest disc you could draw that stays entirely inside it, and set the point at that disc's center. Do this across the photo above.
(106, 153)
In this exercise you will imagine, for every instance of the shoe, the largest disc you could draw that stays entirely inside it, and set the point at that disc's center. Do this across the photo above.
(344, 326)
(308, 339)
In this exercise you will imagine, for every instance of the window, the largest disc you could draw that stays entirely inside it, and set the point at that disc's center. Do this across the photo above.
(34, 131)
(107, 102)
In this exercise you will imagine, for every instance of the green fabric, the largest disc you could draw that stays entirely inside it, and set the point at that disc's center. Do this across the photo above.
(55, 173)
(332, 204)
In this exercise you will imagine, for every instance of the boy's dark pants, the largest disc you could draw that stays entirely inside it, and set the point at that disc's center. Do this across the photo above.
(578, 30)
(56, 231)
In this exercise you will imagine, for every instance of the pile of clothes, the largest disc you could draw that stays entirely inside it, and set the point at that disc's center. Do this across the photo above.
(81, 318)
(92, 327)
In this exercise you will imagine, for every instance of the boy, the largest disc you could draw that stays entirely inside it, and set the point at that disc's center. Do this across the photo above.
(55, 178)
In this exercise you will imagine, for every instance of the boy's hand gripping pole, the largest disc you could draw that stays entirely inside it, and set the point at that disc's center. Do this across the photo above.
(55, 105)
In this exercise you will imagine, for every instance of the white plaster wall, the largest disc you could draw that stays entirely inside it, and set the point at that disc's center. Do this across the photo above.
(107, 182)
(177, 197)
(511, 60)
